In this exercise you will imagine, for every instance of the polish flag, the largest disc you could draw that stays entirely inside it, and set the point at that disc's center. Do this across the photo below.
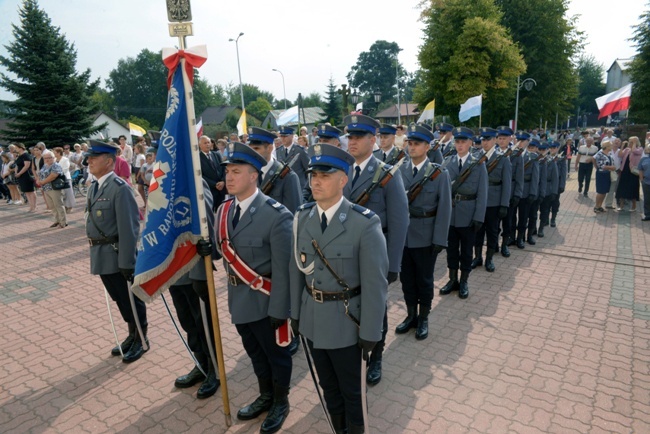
(199, 128)
(615, 101)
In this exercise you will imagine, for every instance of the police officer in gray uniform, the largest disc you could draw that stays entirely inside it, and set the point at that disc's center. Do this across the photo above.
(531, 186)
(387, 152)
(339, 259)
(499, 185)
(551, 189)
(288, 150)
(535, 145)
(329, 135)
(388, 202)
(469, 199)
(560, 161)
(429, 196)
(516, 188)
(446, 140)
(112, 228)
(280, 182)
(259, 232)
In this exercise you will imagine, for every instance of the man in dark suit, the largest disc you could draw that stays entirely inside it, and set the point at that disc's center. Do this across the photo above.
(288, 150)
(212, 171)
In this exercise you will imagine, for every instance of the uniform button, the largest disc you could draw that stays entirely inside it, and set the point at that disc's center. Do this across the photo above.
(318, 281)
(320, 267)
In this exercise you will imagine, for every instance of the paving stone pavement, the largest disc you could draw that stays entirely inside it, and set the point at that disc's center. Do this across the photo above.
(556, 340)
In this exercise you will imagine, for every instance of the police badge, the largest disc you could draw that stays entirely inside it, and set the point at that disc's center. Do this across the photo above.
(250, 130)
(353, 119)
(317, 150)
(413, 128)
(231, 148)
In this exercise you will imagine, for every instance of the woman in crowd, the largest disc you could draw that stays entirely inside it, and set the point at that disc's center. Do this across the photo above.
(628, 182)
(9, 179)
(568, 149)
(68, 193)
(23, 175)
(138, 161)
(50, 171)
(303, 142)
(604, 165)
(143, 177)
(122, 168)
(222, 147)
(37, 164)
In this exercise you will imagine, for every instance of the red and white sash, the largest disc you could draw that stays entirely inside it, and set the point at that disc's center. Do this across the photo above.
(243, 271)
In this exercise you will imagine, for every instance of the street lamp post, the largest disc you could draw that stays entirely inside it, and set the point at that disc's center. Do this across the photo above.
(355, 99)
(284, 90)
(528, 85)
(241, 87)
(377, 97)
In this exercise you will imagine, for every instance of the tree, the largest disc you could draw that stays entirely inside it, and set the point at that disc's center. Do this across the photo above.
(376, 70)
(467, 52)
(206, 95)
(640, 71)
(332, 103)
(251, 93)
(139, 87)
(549, 44)
(259, 108)
(53, 102)
(311, 100)
(591, 84)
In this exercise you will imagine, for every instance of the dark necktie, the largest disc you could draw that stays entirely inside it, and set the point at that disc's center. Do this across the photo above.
(95, 188)
(384, 159)
(323, 222)
(235, 218)
(460, 165)
(415, 171)
(357, 172)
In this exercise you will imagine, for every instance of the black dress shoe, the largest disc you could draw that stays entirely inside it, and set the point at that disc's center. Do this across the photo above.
(136, 351)
(531, 241)
(477, 262)
(194, 377)
(553, 223)
(209, 386)
(278, 412)
(410, 322)
(463, 290)
(512, 242)
(373, 376)
(126, 344)
(261, 404)
(505, 251)
(540, 232)
(520, 243)
(489, 265)
(422, 332)
(294, 345)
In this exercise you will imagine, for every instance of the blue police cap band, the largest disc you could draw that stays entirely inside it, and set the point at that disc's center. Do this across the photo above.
(328, 160)
(327, 133)
(367, 129)
(240, 157)
(418, 136)
(260, 137)
(390, 130)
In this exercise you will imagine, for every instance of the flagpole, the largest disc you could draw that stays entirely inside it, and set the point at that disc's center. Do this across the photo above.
(181, 30)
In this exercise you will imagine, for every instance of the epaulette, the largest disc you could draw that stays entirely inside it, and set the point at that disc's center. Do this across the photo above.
(363, 211)
(119, 181)
(305, 206)
(275, 204)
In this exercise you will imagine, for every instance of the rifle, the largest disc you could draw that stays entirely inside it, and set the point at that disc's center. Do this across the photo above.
(493, 165)
(286, 168)
(529, 162)
(400, 155)
(388, 175)
(415, 190)
(462, 178)
(558, 157)
(449, 152)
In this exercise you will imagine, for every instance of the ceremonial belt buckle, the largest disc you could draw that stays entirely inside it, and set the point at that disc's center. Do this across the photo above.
(457, 197)
(232, 279)
(317, 295)
(257, 283)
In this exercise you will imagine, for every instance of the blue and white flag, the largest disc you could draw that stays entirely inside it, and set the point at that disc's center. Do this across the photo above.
(289, 116)
(167, 246)
(471, 108)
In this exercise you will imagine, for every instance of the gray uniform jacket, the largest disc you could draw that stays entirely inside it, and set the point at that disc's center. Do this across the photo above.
(542, 178)
(379, 154)
(562, 172)
(287, 190)
(389, 203)
(465, 211)
(499, 181)
(552, 178)
(435, 156)
(435, 195)
(531, 175)
(262, 239)
(448, 148)
(115, 212)
(300, 166)
(517, 185)
(354, 246)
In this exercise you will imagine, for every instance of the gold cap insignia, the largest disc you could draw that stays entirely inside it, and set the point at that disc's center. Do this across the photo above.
(353, 119)
(317, 150)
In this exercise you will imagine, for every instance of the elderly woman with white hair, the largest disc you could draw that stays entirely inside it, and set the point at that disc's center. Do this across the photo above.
(50, 171)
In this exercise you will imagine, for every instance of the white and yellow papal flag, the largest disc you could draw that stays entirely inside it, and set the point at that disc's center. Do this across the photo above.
(136, 130)
(429, 112)
(241, 125)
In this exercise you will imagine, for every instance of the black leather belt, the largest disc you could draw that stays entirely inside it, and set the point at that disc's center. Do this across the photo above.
(102, 241)
(417, 213)
(323, 296)
(459, 197)
(495, 182)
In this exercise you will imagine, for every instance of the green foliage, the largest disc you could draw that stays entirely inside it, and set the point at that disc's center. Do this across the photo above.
(376, 70)
(53, 102)
(640, 71)
(251, 93)
(467, 52)
(332, 103)
(139, 87)
(311, 100)
(548, 42)
(104, 100)
(591, 84)
(258, 108)
(206, 95)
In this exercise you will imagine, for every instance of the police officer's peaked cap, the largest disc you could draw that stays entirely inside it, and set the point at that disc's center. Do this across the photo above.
(360, 124)
(522, 136)
(488, 132)
(445, 127)
(238, 153)
(95, 147)
(534, 142)
(387, 129)
(329, 131)
(463, 133)
(504, 131)
(286, 131)
(328, 159)
(554, 145)
(418, 132)
(256, 134)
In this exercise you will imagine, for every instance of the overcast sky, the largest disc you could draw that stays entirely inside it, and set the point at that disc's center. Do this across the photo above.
(308, 41)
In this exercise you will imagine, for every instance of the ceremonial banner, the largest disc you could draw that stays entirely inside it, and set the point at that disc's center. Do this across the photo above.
(429, 112)
(289, 116)
(166, 249)
(241, 124)
(136, 130)
(199, 128)
(615, 101)
(471, 108)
